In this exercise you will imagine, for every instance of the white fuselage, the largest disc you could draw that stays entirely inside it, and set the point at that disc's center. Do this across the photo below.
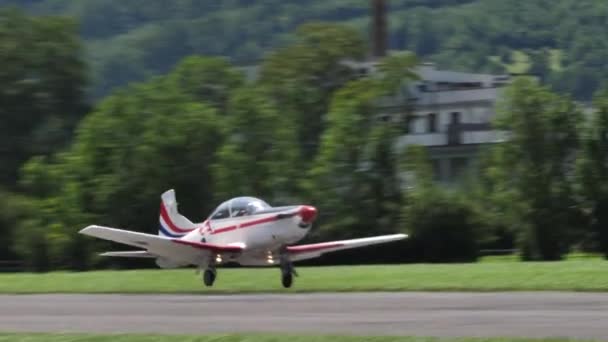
(263, 234)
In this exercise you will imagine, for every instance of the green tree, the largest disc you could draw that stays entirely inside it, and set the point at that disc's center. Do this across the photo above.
(41, 88)
(260, 155)
(396, 71)
(354, 176)
(540, 65)
(211, 80)
(137, 143)
(593, 169)
(444, 225)
(538, 163)
(303, 77)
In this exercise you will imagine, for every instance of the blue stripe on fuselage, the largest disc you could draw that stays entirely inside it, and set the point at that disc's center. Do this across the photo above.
(165, 232)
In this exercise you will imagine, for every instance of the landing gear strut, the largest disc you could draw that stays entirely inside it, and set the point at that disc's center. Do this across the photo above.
(287, 272)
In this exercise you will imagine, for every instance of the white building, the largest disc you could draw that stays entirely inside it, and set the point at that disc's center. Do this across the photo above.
(447, 111)
(450, 113)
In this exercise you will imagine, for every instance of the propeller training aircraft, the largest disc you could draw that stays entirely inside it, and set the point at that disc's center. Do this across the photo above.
(245, 230)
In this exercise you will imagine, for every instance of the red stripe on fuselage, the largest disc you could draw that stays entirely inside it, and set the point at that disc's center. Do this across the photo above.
(245, 225)
(165, 216)
(209, 246)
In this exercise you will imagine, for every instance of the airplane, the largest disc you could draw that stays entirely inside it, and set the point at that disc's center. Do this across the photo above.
(242, 230)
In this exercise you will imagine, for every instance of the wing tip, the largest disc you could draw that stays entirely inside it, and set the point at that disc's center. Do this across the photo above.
(88, 229)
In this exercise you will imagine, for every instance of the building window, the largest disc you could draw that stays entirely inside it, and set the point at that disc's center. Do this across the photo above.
(455, 118)
(432, 123)
(409, 124)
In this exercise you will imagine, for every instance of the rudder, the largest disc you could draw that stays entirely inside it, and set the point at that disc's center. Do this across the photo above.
(172, 223)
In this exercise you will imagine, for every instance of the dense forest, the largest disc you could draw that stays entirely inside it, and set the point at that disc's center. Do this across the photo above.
(307, 130)
(561, 41)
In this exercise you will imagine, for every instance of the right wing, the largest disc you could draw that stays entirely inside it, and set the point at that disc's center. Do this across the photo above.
(315, 250)
(180, 251)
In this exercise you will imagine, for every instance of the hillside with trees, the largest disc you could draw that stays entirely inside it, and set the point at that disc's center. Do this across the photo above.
(561, 41)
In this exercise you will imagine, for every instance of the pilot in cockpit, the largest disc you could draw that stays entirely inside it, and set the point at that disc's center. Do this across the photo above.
(253, 207)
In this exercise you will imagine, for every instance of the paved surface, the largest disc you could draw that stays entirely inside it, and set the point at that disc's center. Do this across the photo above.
(543, 314)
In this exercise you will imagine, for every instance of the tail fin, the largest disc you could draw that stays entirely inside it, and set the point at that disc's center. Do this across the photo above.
(172, 223)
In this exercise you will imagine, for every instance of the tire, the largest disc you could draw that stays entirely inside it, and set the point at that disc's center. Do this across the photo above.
(208, 277)
(287, 280)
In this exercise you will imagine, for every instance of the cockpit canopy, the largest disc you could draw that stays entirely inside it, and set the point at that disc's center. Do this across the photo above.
(239, 206)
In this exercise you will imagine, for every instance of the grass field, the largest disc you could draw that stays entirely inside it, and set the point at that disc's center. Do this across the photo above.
(243, 338)
(577, 274)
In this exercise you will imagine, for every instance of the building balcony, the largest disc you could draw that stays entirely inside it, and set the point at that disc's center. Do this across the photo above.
(425, 139)
(457, 134)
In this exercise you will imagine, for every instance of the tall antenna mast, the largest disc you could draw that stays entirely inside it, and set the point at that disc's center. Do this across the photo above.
(379, 30)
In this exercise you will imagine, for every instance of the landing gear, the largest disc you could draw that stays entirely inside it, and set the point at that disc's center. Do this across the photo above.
(287, 272)
(209, 276)
(287, 280)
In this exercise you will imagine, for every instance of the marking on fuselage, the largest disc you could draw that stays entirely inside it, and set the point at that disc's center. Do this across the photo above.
(244, 225)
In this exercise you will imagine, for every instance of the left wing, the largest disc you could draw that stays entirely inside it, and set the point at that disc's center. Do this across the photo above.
(315, 250)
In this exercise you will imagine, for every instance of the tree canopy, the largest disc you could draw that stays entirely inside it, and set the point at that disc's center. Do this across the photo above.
(310, 129)
(562, 40)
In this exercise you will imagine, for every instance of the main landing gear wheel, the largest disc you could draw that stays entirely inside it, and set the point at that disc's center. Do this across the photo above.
(287, 280)
(287, 272)
(209, 277)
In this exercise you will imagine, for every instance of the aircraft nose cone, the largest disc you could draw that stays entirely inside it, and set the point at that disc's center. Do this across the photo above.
(308, 213)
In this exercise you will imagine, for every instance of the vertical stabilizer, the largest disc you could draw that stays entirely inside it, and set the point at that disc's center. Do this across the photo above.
(172, 223)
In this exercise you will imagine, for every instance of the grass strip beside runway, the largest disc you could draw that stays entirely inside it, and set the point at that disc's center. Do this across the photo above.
(571, 275)
(247, 338)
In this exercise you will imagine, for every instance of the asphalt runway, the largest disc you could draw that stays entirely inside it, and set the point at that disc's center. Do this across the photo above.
(542, 314)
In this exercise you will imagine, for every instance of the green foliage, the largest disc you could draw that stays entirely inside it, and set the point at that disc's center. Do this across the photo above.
(209, 80)
(13, 209)
(260, 154)
(444, 226)
(397, 69)
(41, 88)
(592, 169)
(536, 162)
(354, 175)
(303, 77)
(499, 204)
(128, 41)
(138, 142)
(310, 129)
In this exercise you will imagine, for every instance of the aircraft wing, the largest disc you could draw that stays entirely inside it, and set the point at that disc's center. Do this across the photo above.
(315, 250)
(180, 251)
(130, 254)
